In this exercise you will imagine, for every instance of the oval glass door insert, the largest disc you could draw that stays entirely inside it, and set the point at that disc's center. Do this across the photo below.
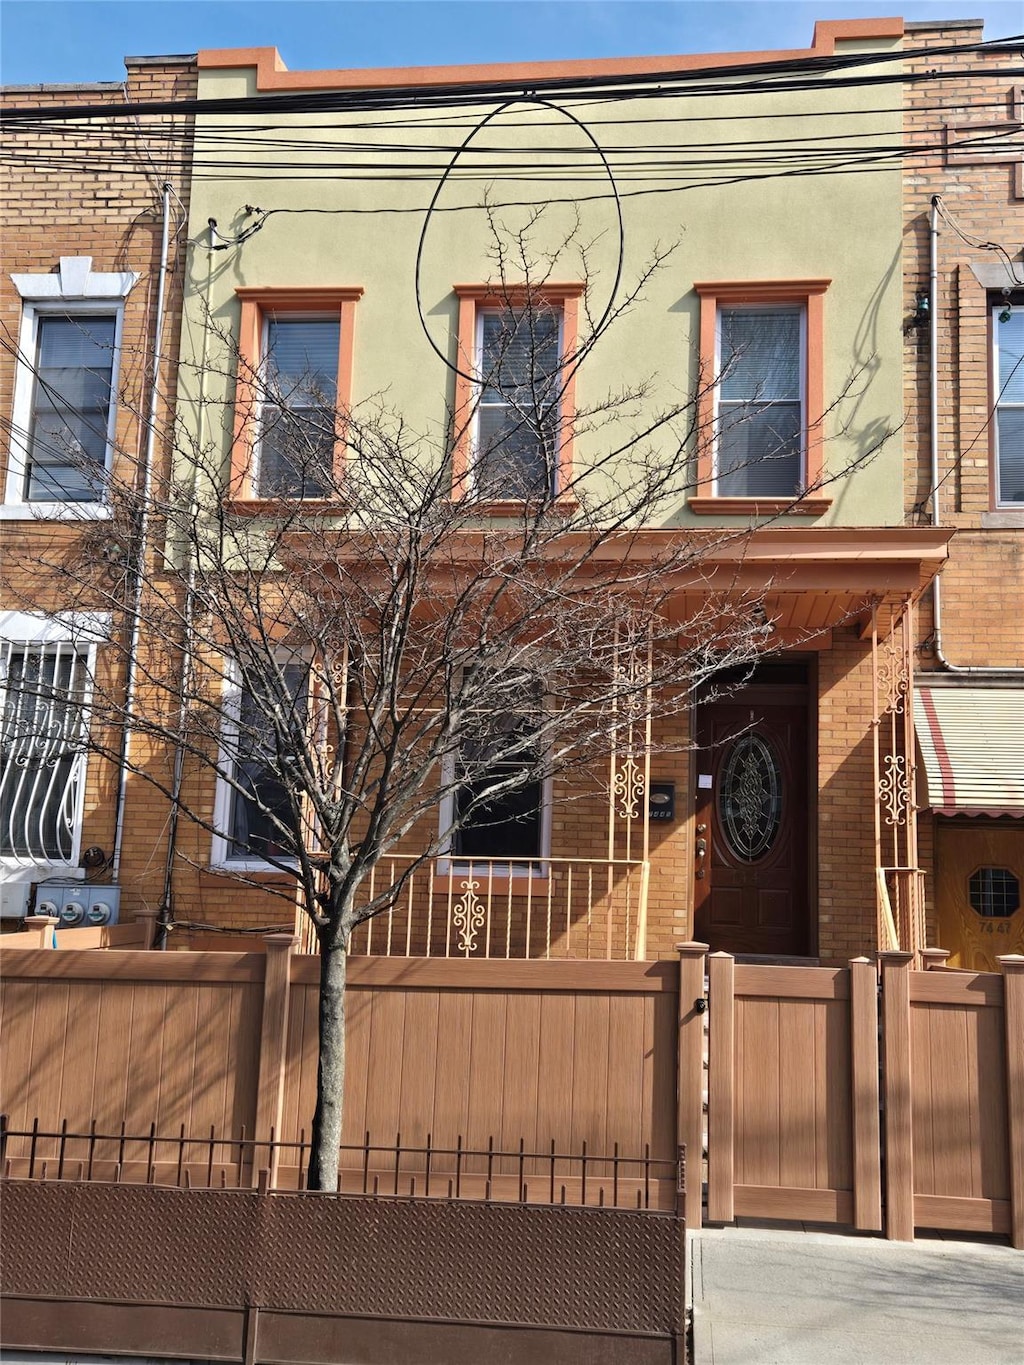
(750, 797)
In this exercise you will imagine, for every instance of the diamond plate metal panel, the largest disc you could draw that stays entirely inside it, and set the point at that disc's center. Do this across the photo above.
(600, 1269)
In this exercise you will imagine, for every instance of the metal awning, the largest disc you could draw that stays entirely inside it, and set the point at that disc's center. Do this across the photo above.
(972, 744)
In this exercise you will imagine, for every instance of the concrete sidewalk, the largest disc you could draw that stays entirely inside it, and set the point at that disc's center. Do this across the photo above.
(766, 1297)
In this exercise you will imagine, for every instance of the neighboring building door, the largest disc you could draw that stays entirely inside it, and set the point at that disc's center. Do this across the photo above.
(979, 890)
(752, 824)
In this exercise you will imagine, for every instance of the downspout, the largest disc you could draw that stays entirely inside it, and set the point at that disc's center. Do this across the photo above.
(165, 915)
(143, 536)
(961, 670)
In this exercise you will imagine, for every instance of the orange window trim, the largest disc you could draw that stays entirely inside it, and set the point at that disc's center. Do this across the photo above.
(809, 295)
(256, 305)
(472, 298)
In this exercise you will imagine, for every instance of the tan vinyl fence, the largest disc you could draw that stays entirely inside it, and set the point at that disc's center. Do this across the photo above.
(477, 1053)
(581, 1055)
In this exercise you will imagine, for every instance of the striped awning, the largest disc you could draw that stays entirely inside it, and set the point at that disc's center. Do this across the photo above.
(972, 744)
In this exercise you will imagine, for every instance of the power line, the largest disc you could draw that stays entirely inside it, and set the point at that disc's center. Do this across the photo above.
(814, 73)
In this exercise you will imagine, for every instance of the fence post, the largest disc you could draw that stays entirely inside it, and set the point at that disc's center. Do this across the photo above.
(148, 918)
(867, 1157)
(1013, 1003)
(690, 1077)
(721, 1082)
(42, 926)
(273, 1046)
(899, 1116)
(934, 958)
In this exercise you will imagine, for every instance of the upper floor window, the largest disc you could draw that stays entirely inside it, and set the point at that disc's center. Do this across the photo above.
(517, 415)
(515, 393)
(760, 416)
(761, 398)
(293, 390)
(69, 422)
(1008, 428)
(64, 412)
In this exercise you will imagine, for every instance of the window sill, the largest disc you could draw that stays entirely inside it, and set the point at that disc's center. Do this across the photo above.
(1003, 519)
(249, 866)
(280, 507)
(54, 511)
(814, 506)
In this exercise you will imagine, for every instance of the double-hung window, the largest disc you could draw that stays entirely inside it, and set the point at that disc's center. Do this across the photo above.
(255, 801)
(292, 392)
(64, 412)
(760, 398)
(515, 393)
(1008, 382)
(69, 421)
(517, 420)
(760, 420)
(298, 408)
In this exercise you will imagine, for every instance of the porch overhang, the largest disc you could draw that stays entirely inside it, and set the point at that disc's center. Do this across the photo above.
(810, 580)
(972, 745)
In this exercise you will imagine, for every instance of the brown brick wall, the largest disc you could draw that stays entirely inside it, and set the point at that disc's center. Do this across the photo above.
(983, 584)
(96, 190)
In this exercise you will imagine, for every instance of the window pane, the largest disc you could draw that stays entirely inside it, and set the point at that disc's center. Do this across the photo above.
(1009, 338)
(515, 455)
(254, 831)
(1010, 436)
(507, 826)
(296, 452)
(298, 421)
(517, 423)
(70, 408)
(520, 356)
(42, 731)
(302, 358)
(760, 353)
(759, 450)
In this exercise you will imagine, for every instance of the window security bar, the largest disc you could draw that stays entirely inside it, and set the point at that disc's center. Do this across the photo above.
(42, 749)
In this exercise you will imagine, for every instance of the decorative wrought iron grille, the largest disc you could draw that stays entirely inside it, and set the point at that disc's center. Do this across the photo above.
(750, 797)
(43, 691)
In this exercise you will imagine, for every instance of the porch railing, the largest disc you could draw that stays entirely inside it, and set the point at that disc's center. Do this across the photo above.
(506, 908)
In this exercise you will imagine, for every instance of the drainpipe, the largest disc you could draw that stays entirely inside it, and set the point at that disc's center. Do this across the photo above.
(165, 914)
(960, 670)
(143, 534)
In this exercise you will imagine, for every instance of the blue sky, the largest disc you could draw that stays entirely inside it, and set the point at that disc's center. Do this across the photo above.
(86, 40)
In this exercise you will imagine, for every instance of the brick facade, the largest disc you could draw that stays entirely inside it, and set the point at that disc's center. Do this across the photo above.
(983, 583)
(72, 190)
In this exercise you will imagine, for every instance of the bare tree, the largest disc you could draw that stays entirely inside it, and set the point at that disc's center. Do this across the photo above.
(376, 640)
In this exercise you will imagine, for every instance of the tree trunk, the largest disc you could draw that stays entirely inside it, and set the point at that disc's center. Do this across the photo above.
(330, 1076)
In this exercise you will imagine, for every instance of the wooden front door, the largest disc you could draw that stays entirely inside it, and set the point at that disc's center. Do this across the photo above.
(752, 815)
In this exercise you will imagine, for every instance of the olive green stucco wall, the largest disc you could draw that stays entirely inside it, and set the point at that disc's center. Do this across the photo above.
(844, 226)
